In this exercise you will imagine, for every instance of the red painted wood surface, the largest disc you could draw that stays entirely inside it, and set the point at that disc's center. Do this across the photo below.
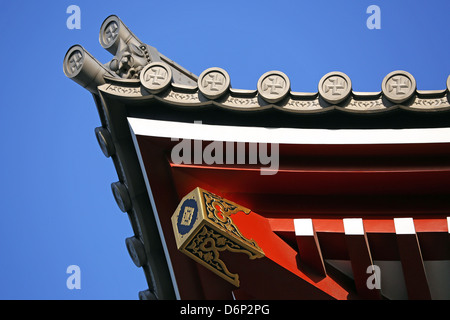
(325, 183)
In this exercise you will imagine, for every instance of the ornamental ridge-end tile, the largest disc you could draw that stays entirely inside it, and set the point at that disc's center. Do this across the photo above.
(156, 77)
(273, 86)
(213, 83)
(399, 86)
(335, 87)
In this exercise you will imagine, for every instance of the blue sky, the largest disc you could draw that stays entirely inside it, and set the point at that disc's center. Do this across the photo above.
(57, 205)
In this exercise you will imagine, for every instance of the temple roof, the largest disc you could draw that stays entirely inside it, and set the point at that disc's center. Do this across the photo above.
(140, 82)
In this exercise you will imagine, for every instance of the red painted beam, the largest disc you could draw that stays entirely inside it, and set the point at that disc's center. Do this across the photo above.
(411, 258)
(361, 259)
(371, 225)
(308, 245)
(286, 280)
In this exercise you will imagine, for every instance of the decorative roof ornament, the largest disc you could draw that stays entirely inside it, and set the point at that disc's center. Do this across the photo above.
(213, 83)
(273, 91)
(156, 77)
(84, 69)
(273, 86)
(399, 86)
(335, 87)
(153, 75)
(131, 55)
(203, 227)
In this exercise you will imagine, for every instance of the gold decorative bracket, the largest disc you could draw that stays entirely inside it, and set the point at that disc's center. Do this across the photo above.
(203, 227)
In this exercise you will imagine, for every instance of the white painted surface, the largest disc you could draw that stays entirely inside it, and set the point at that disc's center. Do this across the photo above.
(303, 227)
(404, 226)
(353, 226)
(197, 131)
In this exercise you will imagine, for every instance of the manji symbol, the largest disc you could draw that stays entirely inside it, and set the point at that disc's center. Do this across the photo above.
(216, 81)
(400, 83)
(76, 61)
(111, 31)
(158, 74)
(336, 85)
(277, 83)
(187, 216)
